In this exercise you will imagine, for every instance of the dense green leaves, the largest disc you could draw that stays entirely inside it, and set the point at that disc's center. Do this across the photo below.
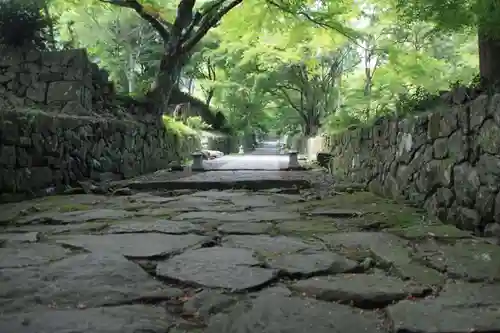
(292, 66)
(25, 23)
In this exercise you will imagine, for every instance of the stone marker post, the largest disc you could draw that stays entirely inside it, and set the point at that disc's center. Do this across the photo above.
(293, 162)
(197, 161)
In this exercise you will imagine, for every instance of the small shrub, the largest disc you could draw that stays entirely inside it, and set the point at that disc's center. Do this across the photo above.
(420, 100)
(177, 127)
(197, 123)
(22, 23)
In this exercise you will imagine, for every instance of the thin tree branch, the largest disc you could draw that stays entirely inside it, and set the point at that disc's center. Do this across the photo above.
(208, 22)
(156, 21)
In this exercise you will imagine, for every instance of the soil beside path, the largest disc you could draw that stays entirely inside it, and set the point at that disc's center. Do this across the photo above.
(260, 260)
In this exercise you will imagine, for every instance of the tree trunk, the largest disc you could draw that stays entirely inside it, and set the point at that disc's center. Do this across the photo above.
(131, 72)
(489, 55)
(210, 95)
(167, 79)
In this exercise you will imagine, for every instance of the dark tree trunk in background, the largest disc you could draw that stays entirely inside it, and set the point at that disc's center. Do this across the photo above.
(489, 57)
(179, 38)
(166, 80)
(210, 95)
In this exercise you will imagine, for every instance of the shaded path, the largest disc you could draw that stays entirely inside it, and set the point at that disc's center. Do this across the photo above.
(248, 162)
(265, 157)
(270, 261)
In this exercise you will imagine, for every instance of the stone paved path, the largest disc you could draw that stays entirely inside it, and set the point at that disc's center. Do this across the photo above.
(274, 261)
(253, 161)
(265, 157)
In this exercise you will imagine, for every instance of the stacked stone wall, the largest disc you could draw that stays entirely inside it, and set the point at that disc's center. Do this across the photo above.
(61, 81)
(55, 132)
(446, 160)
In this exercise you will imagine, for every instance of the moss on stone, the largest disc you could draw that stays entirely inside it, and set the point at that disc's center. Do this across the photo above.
(72, 207)
(376, 212)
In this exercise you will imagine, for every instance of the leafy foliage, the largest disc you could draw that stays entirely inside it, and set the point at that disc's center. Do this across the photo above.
(177, 127)
(291, 66)
(23, 24)
(197, 124)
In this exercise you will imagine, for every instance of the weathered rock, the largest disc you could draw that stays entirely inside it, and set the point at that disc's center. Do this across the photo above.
(207, 303)
(25, 237)
(387, 248)
(458, 308)
(314, 263)
(216, 267)
(276, 314)
(189, 203)
(335, 213)
(75, 217)
(309, 227)
(119, 319)
(84, 280)
(85, 227)
(160, 226)
(407, 318)
(220, 195)
(469, 260)
(238, 228)
(439, 231)
(267, 245)
(140, 245)
(247, 217)
(153, 199)
(361, 290)
(23, 255)
(275, 290)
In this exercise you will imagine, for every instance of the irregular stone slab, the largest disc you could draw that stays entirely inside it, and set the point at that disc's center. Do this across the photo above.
(274, 313)
(229, 180)
(25, 237)
(169, 212)
(335, 213)
(120, 319)
(418, 273)
(276, 290)
(307, 227)
(247, 216)
(75, 217)
(267, 244)
(387, 248)
(207, 303)
(161, 226)
(85, 227)
(153, 199)
(408, 317)
(242, 198)
(469, 260)
(254, 202)
(439, 231)
(217, 267)
(26, 254)
(470, 294)
(218, 195)
(244, 229)
(12, 211)
(197, 203)
(362, 290)
(84, 280)
(314, 263)
(140, 245)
